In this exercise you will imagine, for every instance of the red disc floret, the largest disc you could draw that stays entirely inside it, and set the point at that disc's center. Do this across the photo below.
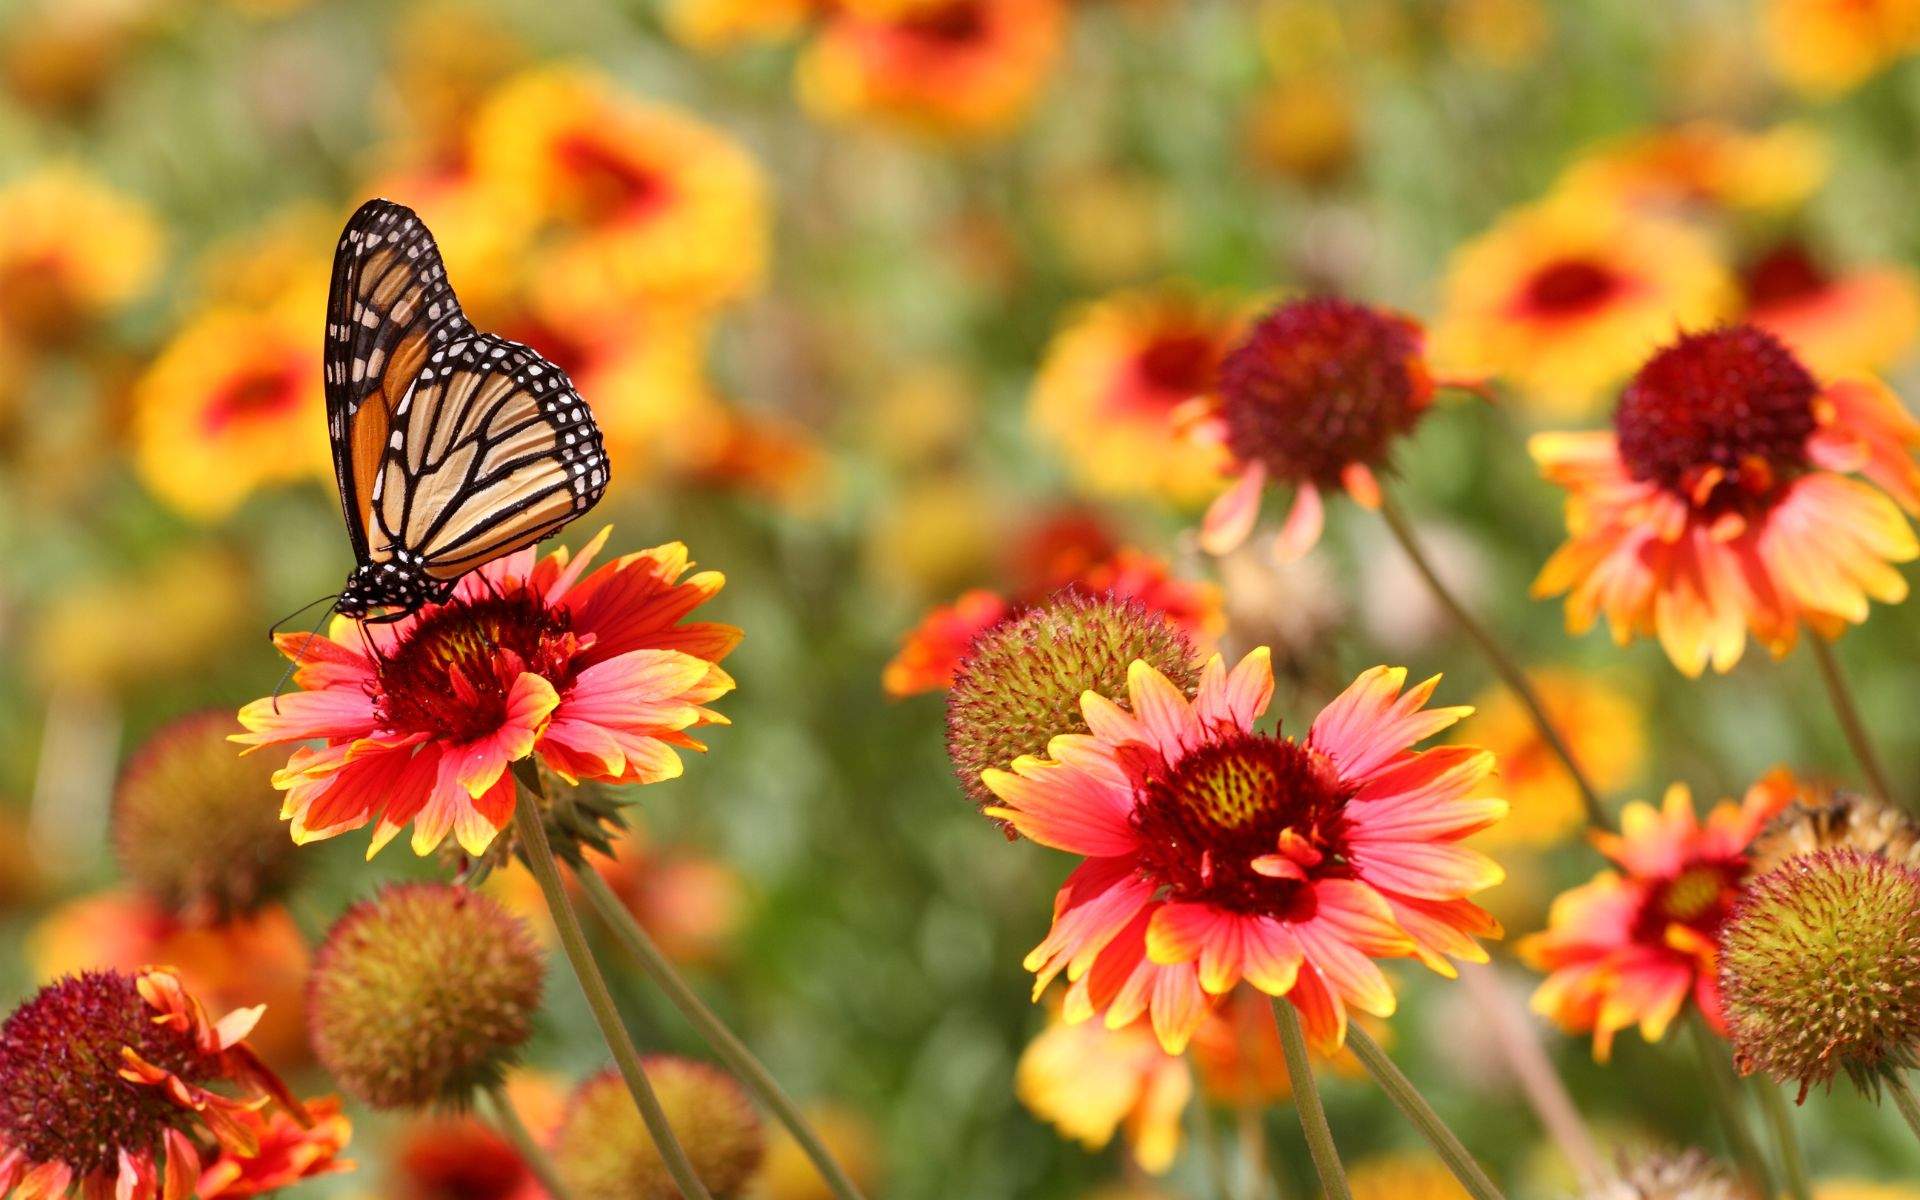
(452, 674)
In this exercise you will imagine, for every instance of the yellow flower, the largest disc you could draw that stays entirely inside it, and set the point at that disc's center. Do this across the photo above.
(1112, 385)
(1705, 162)
(1860, 1189)
(233, 403)
(1403, 1177)
(59, 56)
(645, 203)
(1089, 1081)
(721, 24)
(947, 68)
(1603, 729)
(72, 249)
(1567, 297)
(788, 1174)
(1306, 128)
(1824, 47)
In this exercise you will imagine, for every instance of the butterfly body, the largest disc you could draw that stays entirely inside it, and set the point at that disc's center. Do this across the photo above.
(451, 446)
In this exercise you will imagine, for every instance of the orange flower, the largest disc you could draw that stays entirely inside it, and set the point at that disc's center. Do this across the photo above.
(1629, 947)
(1720, 502)
(953, 68)
(1565, 298)
(72, 250)
(1112, 381)
(459, 1158)
(1824, 47)
(1839, 324)
(1602, 726)
(1703, 163)
(691, 906)
(287, 1151)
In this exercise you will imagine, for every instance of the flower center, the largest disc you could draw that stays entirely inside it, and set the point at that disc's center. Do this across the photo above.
(1174, 368)
(61, 1095)
(1784, 275)
(1244, 823)
(1320, 384)
(609, 186)
(1700, 897)
(956, 23)
(451, 675)
(1570, 287)
(261, 391)
(461, 1162)
(1721, 418)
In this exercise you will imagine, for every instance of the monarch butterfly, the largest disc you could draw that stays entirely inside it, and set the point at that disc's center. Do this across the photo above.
(451, 446)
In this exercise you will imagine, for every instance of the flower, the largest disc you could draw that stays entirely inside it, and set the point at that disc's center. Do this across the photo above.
(72, 250)
(593, 674)
(1088, 1081)
(1566, 297)
(690, 905)
(1214, 853)
(1403, 1177)
(1703, 163)
(713, 25)
(120, 1084)
(602, 1150)
(1839, 324)
(1315, 394)
(1720, 502)
(194, 825)
(648, 204)
(1630, 946)
(424, 995)
(233, 403)
(459, 1158)
(963, 69)
(1306, 128)
(1114, 378)
(788, 1174)
(1820, 970)
(1824, 47)
(1815, 818)
(1602, 727)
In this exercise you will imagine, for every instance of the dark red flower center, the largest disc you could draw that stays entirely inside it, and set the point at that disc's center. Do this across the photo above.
(1721, 418)
(1223, 824)
(1699, 897)
(452, 674)
(956, 23)
(61, 1095)
(1174, 368)
(608, 186)
(1786, 274)
(262, 391)
(1320, 384)
(1569, 287)
(460, 1160)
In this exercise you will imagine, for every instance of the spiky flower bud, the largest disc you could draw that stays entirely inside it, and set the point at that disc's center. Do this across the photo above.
(580, 816)
(423, 994)
(1687, 1176)
(1820, 970)
(196, 826)
(1020, 684)
(1842, 820)
(603, 1152)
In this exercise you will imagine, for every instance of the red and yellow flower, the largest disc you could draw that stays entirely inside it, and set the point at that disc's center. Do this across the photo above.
(1563, 299)
(1824, 47)
(72, 250)
(1843, 323)
(1631, 946)
(1113, 382)
(1214, 853)
(595, 675)
(1721, 502)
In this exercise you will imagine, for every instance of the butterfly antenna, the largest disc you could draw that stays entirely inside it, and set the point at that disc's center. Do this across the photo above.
(301, 657)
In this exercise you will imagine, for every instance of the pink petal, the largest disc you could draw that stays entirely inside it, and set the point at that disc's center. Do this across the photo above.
(1231, 516)
(1303, 526)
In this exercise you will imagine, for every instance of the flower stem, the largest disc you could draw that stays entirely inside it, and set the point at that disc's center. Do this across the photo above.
(1849, 716)
(1306, 1098)
(1503, 663)
(1726, 1106)
(531, 828)
(1904, 1101)
(530, 1150)
(1533, 1070)
(1415, 1108)
(1786, 1140)
(726, 1046)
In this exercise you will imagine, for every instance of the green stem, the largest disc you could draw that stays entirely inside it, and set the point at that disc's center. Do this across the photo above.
(1718, 1071)
(1849, 715)
(1904, 1101)
(1502, 662)
(530, 1150)
(1306, 1099)
(1415, 1108)
(531, 828)
(1786, 1140)
(729, 1048)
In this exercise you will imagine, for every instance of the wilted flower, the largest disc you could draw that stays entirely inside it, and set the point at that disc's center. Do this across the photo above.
(424, 995)
(595, 675)
(1720, 502)
(602, 1150)
(1817, 818)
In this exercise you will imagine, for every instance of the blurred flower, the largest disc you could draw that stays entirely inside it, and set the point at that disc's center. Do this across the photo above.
(196, 592)
(1820, 971)
(260, 957)
(1503, 34)
(1856, 322)
(121, 1084)
(690, 905)
(649, 204)
(447, 55)
(935, 531)
(1113, 380)
(1088, 1081)
(951, 68)
(788, 1174)
(1690, 1175)
(1860, 1189)
(1815, 818)
(59, 56)
(1563, 299)
(1719, 503)
(1315, 395)
(1703, 164)
(722, 24)
(594, 676)
(458, 1158)
(1604, 730)
(1629, 948)
(1824, 47)
(1110, 226)
(1306, 128)
(72, 250)
(602, 1151)
(232, 404)
(1406, 1176)
(424, 995)
(1215, 853)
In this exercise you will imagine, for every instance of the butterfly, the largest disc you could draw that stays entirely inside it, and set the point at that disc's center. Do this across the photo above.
(451, 446)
